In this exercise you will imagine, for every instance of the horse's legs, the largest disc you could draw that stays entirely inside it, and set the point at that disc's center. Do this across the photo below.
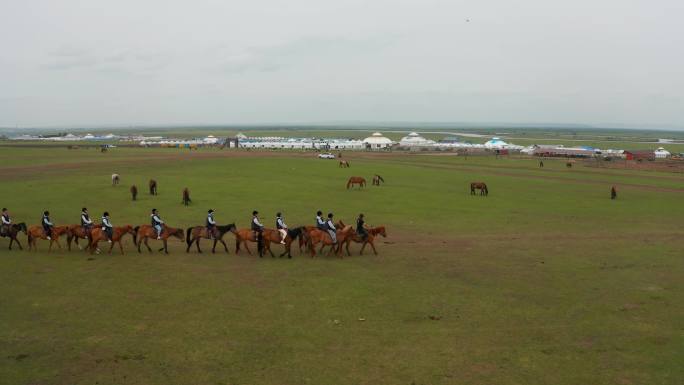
(187, 250)
(363, 247)
(166, 249)
(111, 246)
(148, 245)
(197, 244)
(244, 242)
(224, 245)
(139, 243)
(121, 246)
(373, 246)
(11, 240)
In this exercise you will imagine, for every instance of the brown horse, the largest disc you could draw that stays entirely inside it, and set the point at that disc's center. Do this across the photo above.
(242, 236)
(98, 235)
(194, 234)
(144, 232)
(482, 186)
(376, 180)
(568, 164)
(373, 232)
(613, 192)
(356, 180)
(153, 187)
(317, 236)
(134, 192)
(76, 232)
(12, 231)
(344, 164)
(186, 196)
(36, 232)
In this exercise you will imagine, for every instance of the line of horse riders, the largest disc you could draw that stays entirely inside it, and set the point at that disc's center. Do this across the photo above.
(325, 232)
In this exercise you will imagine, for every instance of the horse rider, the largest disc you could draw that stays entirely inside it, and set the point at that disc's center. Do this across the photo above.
(360, 228)
(47, 225)
(157, 223)
(282, 227)
(211, 225)
(86, 222)
(320, 223)
(107, 227)
(257, 227)
(6, 222)
(330, 227)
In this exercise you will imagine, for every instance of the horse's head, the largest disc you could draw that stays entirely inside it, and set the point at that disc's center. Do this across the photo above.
(129, 229)
(178, 233)
(381, 231)
(22, 227)
(340, 224)
(232, 228)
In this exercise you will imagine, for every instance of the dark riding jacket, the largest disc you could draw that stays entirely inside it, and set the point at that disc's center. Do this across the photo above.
(256, 225)
(210, 221)
(6, 220)
(280, 224)
(85, 220)
(320, 223)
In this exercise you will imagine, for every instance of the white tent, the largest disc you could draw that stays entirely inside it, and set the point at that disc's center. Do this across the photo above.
(662, 153)
(413, 139)
(377, 141)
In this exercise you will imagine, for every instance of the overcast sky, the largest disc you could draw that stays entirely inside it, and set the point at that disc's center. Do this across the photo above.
(144, 62)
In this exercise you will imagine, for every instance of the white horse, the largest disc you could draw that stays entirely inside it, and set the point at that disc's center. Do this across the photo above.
(115, 179)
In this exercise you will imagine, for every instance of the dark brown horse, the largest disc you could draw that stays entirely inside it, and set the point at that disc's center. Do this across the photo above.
(36, 232)
(613, 193)
(482, 186)
(98, 235)
(134, 192)
(373, 233)
(317, 236)
(153, 187)
(356, 180)
(376, 180)
(344, 164)
(568, 164)
(145, 232)
(194, 234)
(186, 196)
(12, 231)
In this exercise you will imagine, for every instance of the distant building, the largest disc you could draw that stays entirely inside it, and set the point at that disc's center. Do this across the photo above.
(662, 153)
(415, 140)
(377, 141)
(639, 155)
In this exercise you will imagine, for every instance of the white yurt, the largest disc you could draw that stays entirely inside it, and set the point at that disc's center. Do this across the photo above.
(377, 141)
(662, 153)
(413, 140)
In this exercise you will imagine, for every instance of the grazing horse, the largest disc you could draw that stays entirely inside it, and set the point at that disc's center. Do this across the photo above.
(373, 232)
(76, 232)
(482, 186)
(568, 164)
(98, 235)
(344, 164)
(145, 232)
(115, 179)
(12, 232)
(134, 192)
(153, 187)
(356, 180)
(376, 180)
(613, 193)
(36, 232)
(194, 234)
(186, 196)
(316, 236)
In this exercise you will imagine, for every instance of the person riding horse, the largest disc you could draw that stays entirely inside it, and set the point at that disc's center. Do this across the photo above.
(332, 230)
(107, 227)
(47, 225)
(6, 222)
(86, 222)
(157, 223)
(212, 232)
(282, 228)
(360, 228)
(320, 223)
(258, 229)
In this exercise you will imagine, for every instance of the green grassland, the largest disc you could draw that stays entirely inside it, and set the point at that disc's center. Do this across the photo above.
(546, 281)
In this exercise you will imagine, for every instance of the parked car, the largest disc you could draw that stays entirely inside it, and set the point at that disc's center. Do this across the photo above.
(326, 155)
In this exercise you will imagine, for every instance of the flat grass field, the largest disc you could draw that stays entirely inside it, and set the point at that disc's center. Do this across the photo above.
(546, 281)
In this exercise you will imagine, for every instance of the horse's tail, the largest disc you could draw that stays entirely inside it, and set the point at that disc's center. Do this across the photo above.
(135, 234)
(187, 236)
(349, 183)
